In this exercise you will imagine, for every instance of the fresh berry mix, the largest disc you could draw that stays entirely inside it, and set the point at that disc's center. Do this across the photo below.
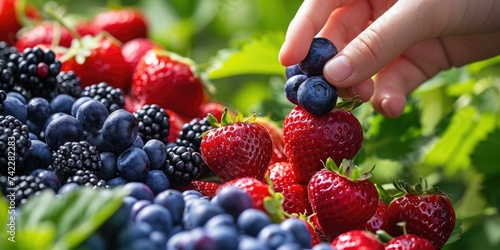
(316, 95)
(190, 135)
(320, 52)
(21, 187)
(86, 178)
(68, 83)
(14, 143)
(153, 123)
(110, 96)
(183, 164)
(74, 156)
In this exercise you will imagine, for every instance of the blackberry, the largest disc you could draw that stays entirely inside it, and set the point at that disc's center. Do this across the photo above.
(3, 96)
(183, 164)
(190, 133)
(154, 123)
(21, 187)
(68, 83)
(74, 156)
(6, 50)
(14, 143)
(6, 76)
(111, 97)
(22, 91)
(86, 178)
(36, 70)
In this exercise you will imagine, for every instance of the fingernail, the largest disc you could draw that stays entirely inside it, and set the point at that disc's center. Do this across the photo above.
(339, 68)
(385, 106)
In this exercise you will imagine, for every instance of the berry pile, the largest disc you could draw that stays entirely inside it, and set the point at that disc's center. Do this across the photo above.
(107, 115)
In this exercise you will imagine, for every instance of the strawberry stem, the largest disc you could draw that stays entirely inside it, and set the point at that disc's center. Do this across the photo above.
(350, 104)
(52, 11)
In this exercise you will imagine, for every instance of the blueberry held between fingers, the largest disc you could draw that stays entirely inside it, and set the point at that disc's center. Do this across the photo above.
(317, 96)
(320, 52)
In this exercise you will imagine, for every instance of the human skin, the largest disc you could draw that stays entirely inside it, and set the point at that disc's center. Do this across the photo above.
(388, 48)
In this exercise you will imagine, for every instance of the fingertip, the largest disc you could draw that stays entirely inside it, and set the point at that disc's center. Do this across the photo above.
(390, 105)
(364, 89)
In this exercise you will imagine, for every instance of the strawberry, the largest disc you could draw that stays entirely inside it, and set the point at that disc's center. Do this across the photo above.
(311, 228)
(263, 196)
(426, 211)
(176, 123)
(311, 139)
(9, 22)
(284, 180)
(211, 107)
(134, 49)
(45, 33)
(236, 147)
(206, 188)
(97, 59)
(123, 24)
(83, 28)
(277, 137)
(409, 242)
(357, 239)
(376, 222)
(342, 198)
(170, 81)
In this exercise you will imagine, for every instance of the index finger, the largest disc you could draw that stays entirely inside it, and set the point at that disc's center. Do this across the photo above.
(309, 20)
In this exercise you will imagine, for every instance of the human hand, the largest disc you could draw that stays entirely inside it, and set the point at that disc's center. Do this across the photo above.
(403, 43)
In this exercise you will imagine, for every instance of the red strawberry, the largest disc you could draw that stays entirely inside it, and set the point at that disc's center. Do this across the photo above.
(355, 240)
(236, 147)
(9, 22)
(211, 107)
(342, 198)
(263, 196)
(169, 80)
(409, 242)
(176, 123)
(83, 29)
(284, 180)
(206, 188)
(311, 228)
(98, 59)
(43, 34)
(311, 139)
(427, 213)
(376, 222)
(134, 49)
(124, 24)
(277, 137)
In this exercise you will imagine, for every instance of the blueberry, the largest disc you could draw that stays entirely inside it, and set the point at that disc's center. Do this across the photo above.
(138, 206)
(157, 153)
(132, 232)
(108, 170)
(38, 110)
(95, 139)
(34, 128)
(49, 179)
(293, 70)
(138, 143)
(192, 192)
(201, 240)
(94, 241)
(252, 220)
(225, 237)
(317, 96)
(18, 96)
(63, 129)
(68, 188)
(322, 246)
(157, 216)
(251, 243)
(157, 181)
(291, 246)
(275, 236)
(292, 85)
(120, 130)
(198, 213)
(51, 118)
(32, 136)
(14, 107)
(38, 155)
(78, 102)
(119, 219)
(91, 115)
(299, 230)
(320, 52)
(159, 239)
(172, 200)
(139, 190)
(234, 200)
(117, 181)
(221, 220)
(62, 103)
(133, 164)
(179, 241)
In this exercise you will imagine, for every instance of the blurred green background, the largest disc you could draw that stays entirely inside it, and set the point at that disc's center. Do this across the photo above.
(449, 132)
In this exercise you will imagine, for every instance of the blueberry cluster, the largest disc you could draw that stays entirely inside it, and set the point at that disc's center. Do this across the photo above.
(306, 86)
(174, 220)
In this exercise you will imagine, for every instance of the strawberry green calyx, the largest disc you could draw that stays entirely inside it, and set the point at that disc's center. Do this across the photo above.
(226, 118)
(348, 169)
(273, 204)
(422, 187)
(350, 104)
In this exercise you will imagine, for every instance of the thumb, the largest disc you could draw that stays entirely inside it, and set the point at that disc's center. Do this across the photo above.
(401, 26)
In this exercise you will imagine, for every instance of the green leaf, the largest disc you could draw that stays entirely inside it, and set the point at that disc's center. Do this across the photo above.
(259, 55)
(485, 149)
(456, 233)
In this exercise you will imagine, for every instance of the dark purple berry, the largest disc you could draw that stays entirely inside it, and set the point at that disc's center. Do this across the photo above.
(292, 86)
(320, 52)
(317, 96)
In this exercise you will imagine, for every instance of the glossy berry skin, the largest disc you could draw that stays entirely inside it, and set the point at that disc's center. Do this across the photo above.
(38, 155)
(134, 49)
(277, 137)
(157, 153)
(430, 216)
(62, 129)
(275, 236)
(157, 216)
(133, 164)
(316, 95)
(320, 52)
(168, 80)
(44, 33)
(293, 70)
(14, 107)
(123, 24)
(38, 110)
(377, 221)
(409, 242)
(299, 229)
(355, 240)
(157, 181)
(292, 86)
(234, 200)
(252, 220)
(311, 139)
(173, 200)
(62, 103)
(241, 149)
(108, 169)
(120, 130)
(92, 115)
(341, 204)
(257, 189)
